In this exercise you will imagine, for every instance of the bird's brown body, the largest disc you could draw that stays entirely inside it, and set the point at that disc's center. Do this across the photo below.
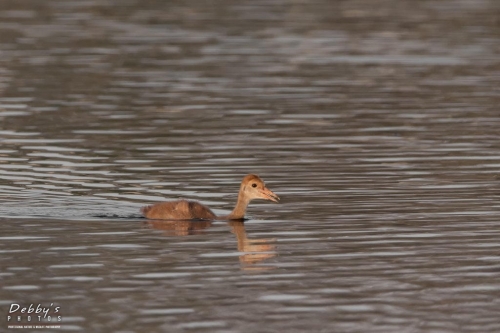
(252, 187)
(178, 210)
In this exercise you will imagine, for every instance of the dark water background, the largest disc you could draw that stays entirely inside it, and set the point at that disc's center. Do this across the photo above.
(377, 123)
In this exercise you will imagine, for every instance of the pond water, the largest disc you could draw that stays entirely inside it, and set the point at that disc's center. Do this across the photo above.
(377, 123)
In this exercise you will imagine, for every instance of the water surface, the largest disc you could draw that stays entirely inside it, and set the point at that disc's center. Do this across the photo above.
(376, 123)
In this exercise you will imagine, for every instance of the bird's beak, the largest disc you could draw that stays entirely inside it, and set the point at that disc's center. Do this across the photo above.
(269, 195)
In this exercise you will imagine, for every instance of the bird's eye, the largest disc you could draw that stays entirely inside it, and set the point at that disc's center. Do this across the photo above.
(254, 185)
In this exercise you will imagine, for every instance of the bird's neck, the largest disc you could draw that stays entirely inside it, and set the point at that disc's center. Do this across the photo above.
(239, 210)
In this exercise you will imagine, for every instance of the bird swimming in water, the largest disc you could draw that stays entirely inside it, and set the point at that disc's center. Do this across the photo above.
(252, 187)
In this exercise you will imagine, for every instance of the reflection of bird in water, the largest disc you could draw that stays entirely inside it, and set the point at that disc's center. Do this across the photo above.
(254, 250)
(179, 227)
(252, 187)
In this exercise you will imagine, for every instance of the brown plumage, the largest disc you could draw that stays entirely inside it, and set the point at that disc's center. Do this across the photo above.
(252, 187)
